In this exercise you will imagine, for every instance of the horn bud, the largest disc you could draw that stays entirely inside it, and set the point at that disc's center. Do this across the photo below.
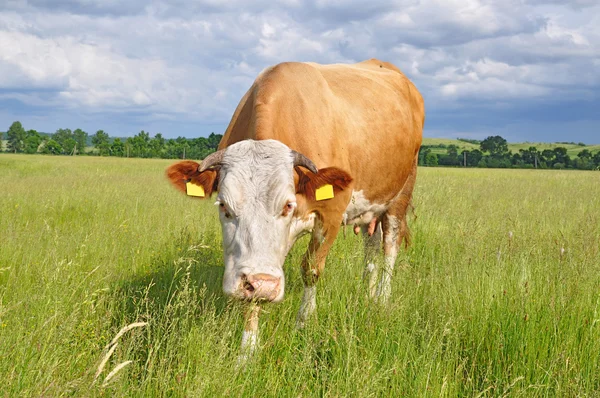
(301, 160)
(212, 160)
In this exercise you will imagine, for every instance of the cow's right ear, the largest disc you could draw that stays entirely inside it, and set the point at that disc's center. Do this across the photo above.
(180, 173)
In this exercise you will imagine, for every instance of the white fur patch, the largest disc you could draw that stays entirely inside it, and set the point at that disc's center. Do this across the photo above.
(300, 227)
(370, 267)
(249, 346)
(360, 211)
(308, 305)
(391, 242)
(249, 340)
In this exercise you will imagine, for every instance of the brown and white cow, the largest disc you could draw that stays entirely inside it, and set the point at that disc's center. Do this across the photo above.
(351, 131)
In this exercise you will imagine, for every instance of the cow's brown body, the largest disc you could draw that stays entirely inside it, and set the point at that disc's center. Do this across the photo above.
(299, 127)
(365, 118)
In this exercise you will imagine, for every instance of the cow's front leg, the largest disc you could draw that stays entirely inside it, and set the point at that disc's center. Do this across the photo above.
(250, 334)
(313, 264)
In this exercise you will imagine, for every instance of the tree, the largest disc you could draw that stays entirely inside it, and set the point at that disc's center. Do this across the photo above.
(157, 145)
(33, 139)
(548, 157)
(583, 163)
(52, 147)
(596, 159)
(140, 144)
(64, 138)
(451, 157)
(473, 157)
(80, 138)
(530, 156)
(117, 148)
(585, 154)
(100, 140)
(431, 159)
(16, 137)
(495, 145)
(214, 140)
(561, 156)
(584, 160)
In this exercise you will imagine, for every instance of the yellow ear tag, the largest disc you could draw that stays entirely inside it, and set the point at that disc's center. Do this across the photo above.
(194, 190)
(324, 192)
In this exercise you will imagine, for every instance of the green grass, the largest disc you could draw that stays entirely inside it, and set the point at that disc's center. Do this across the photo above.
(448, 141)
(89, 245)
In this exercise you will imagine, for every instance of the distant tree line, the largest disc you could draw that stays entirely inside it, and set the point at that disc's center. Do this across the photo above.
(77, 142)
(493, 152)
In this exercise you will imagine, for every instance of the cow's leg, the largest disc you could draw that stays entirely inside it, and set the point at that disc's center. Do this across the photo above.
(250, 334)
(313, 264)
(395, 230)
(372, 249)
(391, 229)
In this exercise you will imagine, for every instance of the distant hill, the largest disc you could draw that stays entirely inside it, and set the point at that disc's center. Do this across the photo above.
(442, 143)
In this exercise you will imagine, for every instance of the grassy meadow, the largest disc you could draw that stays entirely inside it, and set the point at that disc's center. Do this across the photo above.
(499, 295)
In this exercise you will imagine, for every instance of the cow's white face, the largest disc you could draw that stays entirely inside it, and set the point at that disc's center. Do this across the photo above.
(258, 209)
(256, 204)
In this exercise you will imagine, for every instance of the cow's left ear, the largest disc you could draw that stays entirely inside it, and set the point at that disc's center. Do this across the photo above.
(309, 183)
(182, 173)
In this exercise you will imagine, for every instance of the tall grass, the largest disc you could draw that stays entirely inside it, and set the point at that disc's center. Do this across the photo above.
(499, 294)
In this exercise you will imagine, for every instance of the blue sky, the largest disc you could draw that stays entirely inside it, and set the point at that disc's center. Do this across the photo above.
(528, 70)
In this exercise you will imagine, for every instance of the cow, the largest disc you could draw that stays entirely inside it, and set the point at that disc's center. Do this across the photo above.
(311, 148)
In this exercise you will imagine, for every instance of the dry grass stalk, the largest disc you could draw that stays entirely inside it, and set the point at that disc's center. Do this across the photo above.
(105, 360)
(125, 330)
(115, 371)
(111, 349)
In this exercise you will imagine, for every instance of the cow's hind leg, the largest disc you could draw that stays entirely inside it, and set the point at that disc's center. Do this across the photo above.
(391, 229)
(372, 256)
(395, 230)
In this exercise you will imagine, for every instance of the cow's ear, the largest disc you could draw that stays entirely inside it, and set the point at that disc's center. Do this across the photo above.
(323, 184)
(182, 173)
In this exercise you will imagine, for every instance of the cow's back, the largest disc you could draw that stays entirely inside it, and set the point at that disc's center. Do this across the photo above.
(366, 118)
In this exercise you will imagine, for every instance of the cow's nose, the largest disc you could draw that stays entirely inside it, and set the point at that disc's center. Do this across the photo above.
(260, 287)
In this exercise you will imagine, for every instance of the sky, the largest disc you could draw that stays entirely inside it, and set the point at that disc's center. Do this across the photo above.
(528, 70)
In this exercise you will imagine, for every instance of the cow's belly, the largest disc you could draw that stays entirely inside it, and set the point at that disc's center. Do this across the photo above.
(361, 211)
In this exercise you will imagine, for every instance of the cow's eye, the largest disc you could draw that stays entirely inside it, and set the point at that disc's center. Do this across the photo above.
(224, 210)
(288, 208)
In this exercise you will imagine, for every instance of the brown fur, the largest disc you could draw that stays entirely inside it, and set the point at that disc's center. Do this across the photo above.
(308, 183)
(365, 119)
(181, 172)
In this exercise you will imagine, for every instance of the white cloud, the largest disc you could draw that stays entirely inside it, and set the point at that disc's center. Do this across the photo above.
(194, 60)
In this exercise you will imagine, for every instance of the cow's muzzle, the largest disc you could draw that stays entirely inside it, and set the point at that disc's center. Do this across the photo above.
(260, 287)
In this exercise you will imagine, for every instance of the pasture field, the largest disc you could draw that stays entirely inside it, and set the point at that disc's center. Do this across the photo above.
(572, 149)
(498, 295)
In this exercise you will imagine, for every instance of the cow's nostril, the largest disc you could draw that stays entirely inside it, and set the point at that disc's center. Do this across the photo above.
(259, 286)
(248, 286)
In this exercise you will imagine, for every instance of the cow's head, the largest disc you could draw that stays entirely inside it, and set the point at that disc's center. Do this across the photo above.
(264, 201)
